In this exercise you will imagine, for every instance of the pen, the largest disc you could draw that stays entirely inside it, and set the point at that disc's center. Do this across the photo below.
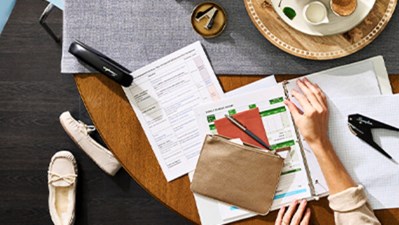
(243, 128)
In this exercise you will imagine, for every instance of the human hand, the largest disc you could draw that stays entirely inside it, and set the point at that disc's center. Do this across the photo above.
(313, 121)
(301, 216)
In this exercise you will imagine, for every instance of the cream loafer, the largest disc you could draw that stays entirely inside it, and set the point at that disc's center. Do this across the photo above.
(62, 174)
(80, 134)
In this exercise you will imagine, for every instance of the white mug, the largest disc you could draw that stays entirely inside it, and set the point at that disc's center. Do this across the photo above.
(315, 13)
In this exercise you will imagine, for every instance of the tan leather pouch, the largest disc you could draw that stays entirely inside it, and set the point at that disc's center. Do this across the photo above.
(240, 175)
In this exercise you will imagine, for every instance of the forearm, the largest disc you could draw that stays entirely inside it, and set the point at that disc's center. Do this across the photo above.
(334, 172)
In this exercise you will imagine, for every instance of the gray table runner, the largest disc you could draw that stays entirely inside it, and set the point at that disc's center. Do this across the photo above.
(138, 32)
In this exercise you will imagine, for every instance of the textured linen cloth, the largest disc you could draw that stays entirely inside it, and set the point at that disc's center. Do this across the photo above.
(138, 32)
(351, 208)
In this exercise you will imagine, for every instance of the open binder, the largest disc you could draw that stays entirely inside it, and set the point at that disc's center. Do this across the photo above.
(357, 79)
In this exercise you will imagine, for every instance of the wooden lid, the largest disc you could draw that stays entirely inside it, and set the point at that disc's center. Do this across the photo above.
(199, 25)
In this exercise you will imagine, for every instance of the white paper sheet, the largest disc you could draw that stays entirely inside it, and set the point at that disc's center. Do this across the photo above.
(375, 172)
(163, 95)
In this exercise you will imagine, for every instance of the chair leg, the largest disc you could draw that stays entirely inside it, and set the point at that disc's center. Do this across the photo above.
(42, 21)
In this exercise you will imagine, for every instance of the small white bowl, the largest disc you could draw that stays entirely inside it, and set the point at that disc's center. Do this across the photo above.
(321, 7)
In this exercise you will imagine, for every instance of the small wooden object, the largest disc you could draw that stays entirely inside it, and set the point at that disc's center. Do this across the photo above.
(280, 34)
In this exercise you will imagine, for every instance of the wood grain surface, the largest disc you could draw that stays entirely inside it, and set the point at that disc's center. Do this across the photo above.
(274, 29)
(117, 124)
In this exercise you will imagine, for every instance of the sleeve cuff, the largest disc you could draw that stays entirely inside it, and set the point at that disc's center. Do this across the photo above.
(348, 200)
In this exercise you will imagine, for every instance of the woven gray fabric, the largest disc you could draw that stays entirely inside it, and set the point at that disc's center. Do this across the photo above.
(138, 32)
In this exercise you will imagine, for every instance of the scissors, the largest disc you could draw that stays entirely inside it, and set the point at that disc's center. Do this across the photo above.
(361, 126)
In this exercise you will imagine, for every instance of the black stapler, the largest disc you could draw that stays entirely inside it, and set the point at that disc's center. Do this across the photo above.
(101, 63)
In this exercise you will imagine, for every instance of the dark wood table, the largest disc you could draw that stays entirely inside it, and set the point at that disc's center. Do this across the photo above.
(120, 129)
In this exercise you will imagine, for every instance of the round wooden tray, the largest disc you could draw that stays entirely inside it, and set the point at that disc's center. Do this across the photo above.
(274, 29)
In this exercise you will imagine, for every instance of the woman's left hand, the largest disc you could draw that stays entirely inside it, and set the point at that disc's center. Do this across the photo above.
(295, 215)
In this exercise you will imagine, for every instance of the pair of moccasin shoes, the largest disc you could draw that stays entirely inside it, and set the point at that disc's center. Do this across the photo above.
(63, 171)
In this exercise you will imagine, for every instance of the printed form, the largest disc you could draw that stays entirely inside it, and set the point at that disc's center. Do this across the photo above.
(163, 95)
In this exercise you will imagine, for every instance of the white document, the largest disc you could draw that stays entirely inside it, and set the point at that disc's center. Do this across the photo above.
(378, 174)
(163, 95)
(212, 211)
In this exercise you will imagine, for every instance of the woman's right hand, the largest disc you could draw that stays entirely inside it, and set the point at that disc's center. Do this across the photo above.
(313, 121)
(313, 125)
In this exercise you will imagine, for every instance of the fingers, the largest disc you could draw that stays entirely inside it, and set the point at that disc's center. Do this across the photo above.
(303, 101)
(310, 96)
(294, 216)
(290, 212)
(306, 218)
(299, 213)
(280, 215)
(293, 109)
(321, 97)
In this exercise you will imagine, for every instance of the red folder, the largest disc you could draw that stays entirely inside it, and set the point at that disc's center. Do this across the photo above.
(251, 120)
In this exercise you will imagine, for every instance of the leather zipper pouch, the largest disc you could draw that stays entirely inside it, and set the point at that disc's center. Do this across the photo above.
(242, 175)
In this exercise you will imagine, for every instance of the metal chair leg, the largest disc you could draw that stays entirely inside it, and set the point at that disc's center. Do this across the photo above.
(42, 21)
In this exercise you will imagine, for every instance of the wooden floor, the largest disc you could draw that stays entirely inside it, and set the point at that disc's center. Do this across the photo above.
(33, 94)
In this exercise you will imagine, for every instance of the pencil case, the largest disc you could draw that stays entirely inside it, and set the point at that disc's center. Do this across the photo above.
(241, 175)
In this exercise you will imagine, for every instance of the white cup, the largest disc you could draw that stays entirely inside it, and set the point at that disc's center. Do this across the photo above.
(315, 13)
